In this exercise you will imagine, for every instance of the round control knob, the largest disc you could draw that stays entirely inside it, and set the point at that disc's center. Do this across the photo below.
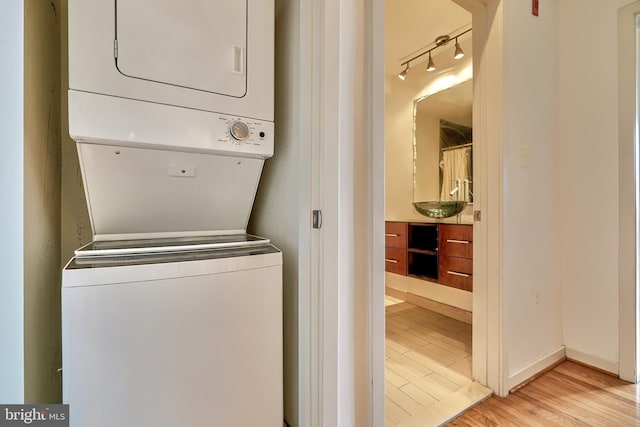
(239, 130)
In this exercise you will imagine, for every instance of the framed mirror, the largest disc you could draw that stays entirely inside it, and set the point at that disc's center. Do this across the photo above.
(443, 145)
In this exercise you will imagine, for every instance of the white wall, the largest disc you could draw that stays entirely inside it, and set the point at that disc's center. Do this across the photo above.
(561, 204)
(532, 292)
(587, 161)
(11, 220)
(349, 241)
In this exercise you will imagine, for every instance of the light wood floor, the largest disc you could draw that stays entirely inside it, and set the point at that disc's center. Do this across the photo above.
(428, 360)
(568, 395)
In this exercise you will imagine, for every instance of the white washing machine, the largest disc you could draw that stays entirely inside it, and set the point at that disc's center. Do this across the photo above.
(173, 314)
(185, 338)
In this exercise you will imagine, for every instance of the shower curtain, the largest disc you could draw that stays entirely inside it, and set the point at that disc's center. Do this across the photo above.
(456, 165)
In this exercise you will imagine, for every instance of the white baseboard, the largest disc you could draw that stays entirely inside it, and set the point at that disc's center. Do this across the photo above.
(595, 361)
(535, 368)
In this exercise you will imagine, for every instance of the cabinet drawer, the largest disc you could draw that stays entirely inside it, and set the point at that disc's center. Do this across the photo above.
(396, 235)
(456, 240)
(455, 281)
(395, 260)
(460, 265)
(456, 272)
(457, 232)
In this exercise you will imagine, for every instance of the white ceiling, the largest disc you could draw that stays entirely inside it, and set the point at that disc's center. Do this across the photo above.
(410, 25)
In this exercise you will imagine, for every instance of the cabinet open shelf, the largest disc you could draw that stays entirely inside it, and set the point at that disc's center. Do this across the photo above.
(422, 250)
(423, 236)
(422, 264)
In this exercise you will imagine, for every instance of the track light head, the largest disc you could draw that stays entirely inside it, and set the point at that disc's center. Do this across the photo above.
(458, 53)
(403, 74)
(430, 65)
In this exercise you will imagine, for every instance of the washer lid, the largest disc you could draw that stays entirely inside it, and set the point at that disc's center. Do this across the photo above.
(191, 43)
(168, 246)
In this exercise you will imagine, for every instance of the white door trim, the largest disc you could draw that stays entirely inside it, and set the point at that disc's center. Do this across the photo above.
(376, 316)
(489, 367)
(309, 397)
(628, 192)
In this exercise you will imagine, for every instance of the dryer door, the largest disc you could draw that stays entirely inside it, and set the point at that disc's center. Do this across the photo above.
(198, 44)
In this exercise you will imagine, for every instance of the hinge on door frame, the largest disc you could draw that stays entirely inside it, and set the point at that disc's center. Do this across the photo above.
(115, 48)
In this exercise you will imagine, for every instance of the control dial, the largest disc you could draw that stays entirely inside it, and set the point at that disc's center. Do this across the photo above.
(239, 130)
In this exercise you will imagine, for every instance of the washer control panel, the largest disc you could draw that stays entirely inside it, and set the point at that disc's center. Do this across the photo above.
(244, 134)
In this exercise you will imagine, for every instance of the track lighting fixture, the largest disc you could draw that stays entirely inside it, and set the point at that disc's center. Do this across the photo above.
(439, 42)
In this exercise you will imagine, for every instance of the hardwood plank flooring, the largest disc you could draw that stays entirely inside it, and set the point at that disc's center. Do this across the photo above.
(428, 360)
(569, 395)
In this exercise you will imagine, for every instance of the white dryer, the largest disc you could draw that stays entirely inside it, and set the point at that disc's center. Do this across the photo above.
(173, 314)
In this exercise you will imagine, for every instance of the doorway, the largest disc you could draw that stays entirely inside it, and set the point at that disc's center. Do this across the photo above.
(428, 363)
(364, 70)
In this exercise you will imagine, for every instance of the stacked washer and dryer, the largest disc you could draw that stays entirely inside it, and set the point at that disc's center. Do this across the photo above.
(172, 315)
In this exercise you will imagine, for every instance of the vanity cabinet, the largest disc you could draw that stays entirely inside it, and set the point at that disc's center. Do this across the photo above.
(441, 253)
(395, 253)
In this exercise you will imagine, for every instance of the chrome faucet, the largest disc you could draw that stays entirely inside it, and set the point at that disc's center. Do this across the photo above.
(463, 193)
(456, 190)
(467, 190)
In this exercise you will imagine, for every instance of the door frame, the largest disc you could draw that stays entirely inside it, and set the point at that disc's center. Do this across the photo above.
(342, 366)
(488, 353)
(488, 338)
(488, 367)
(628, 93)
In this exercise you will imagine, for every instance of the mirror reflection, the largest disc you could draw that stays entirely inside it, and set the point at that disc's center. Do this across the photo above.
(442, 145)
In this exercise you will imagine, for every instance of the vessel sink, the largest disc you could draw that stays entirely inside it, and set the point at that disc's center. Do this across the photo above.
(440, 209)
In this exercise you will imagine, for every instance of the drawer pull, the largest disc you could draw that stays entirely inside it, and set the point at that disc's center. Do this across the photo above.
(395, 261)
(455, 273)
(466, 242)
(391, 235)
